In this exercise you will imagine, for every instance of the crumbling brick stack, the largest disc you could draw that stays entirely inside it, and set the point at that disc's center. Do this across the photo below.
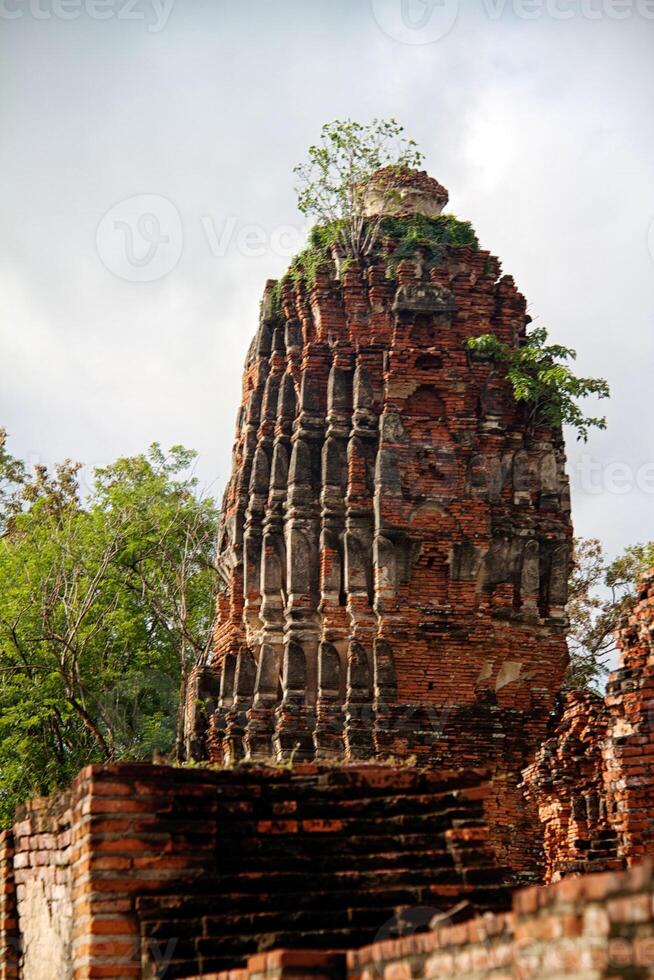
(144, 868)
(629, 748)
(566, 782)
(395, 535)
(593, 780)
(596, 927)
(326, 859)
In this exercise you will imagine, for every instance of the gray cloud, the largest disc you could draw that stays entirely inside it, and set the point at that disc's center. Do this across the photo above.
(541, 129)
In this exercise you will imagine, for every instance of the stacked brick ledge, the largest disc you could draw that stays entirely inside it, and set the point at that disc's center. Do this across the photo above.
(585, 928)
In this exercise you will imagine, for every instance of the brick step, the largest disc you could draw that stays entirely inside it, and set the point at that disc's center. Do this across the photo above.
(214, 953)
(230, 927)
(211, 950)
(159, 911)
(350, 879)
(326, 807)
(432, 819)
(211, 956)
(327, 844)
(162, 911)
(346, 783)
(333, 858)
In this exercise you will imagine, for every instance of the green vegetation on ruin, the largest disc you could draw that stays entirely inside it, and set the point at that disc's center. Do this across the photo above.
(542, 380)
(404, 237)
(400, 238)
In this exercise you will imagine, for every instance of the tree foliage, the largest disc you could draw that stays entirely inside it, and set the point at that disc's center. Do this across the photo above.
(332, 183)
(600, 593)
(107, 602)
(543, 381)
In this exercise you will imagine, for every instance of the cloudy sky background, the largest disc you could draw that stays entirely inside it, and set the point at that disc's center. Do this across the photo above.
(540, 124)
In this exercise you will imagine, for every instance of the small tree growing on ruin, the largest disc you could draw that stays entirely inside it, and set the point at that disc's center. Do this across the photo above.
(543, 382)
(333, 182)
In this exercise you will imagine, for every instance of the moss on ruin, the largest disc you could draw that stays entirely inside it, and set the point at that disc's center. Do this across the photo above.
(399, 238)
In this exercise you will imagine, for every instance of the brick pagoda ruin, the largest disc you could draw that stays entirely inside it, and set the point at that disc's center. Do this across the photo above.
(395, 537)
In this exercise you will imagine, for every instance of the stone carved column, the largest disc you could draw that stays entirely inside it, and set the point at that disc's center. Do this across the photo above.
(294, 718)
(359, 704)
(329, 711)
(359, 577)
(225, 702)
(335, 624)
(236, 718)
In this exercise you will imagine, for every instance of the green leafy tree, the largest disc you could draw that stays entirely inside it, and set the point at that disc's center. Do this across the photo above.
(600, 593)
(332, 184)
(12, 477)
(107, 603)
(543, 381)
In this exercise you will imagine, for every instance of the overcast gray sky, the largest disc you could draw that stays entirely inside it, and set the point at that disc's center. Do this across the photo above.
(183, 120)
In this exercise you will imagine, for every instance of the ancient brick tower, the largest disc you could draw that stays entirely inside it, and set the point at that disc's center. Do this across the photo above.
(395, 537)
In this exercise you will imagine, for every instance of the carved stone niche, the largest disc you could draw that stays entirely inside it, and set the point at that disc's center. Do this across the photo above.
(465, 561)
(424, 298)
(549, 499)
(236, 720)
(501, 561)
(328, 736)
(358, 705)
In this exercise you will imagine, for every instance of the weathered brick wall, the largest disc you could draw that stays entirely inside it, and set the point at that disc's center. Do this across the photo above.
(629, 748)
(141, 868)
(81, 857)
(9, 939)
(566, 781)
(43, 862)
(593, 779)
(587, 928)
